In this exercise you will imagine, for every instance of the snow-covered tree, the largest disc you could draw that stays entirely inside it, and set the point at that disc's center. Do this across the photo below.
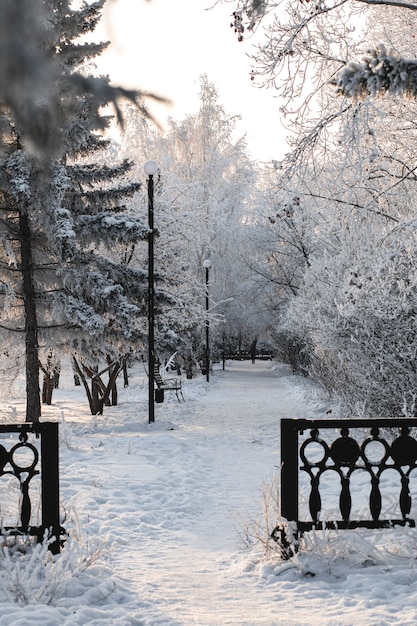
(361, 213)
(61, 287)
(301, 48)
(352, 169)
(204, 196)
(39, 96)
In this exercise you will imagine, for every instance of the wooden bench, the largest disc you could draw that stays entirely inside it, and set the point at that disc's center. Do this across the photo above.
(168, 384)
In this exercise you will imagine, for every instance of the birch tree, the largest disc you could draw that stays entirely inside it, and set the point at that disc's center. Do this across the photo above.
(352, 164)
(206, 192)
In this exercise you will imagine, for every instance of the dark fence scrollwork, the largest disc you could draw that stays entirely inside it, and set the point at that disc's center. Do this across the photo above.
(344, 448)
(34, 454)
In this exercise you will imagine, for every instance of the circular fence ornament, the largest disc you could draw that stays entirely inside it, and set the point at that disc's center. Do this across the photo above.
(24, 457)
(4, 457)
(314, 452)
(375, 451)
(345, 451)
(404, 450)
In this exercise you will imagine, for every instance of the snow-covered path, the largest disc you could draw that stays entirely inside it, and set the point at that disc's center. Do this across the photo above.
(182, 496)
(169, 504)
(213, 468)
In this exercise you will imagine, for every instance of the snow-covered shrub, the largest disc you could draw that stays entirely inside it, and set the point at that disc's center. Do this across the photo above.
(31, 574)
(293, 349)
(328, 552)
(357, 310)
(258, 531)
(65, 432)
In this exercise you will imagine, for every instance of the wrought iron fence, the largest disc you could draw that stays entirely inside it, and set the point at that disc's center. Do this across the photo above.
(34, 454)
(316, 450)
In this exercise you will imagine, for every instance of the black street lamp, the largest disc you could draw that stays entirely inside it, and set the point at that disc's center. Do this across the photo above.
(207, 266)
(150, 169)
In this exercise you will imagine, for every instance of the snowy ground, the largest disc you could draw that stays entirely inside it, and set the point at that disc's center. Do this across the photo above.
(165, 511)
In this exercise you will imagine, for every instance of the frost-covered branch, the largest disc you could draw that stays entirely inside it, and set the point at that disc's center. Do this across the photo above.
(355, 205)
(40, 89)
(381, 72)
(412, 6)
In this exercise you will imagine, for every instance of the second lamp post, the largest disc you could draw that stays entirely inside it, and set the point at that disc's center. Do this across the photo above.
(207, 266)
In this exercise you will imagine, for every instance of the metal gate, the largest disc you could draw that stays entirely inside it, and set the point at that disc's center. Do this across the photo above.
(343, 448)
(35, 453)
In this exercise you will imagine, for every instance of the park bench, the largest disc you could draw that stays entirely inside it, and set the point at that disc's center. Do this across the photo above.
(168, 384)
(334, 451)
(244, 355)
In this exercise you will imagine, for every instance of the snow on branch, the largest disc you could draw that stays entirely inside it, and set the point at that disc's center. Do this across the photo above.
(81, 315)
(108, 226)
(19, 167)
(380, 72)
(249, 13)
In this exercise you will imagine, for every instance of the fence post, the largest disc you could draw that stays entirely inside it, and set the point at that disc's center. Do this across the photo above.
(50, 483)
(289, 469)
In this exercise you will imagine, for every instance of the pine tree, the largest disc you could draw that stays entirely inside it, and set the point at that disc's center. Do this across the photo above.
(64, 224)
(33, 86)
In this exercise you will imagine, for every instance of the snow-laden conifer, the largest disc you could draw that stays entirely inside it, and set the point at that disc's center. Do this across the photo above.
(65, 227)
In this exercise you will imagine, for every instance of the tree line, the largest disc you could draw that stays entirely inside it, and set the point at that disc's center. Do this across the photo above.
(315, 253)
(340, 221)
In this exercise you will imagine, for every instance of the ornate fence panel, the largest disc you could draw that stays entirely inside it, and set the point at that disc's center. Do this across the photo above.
(314, 450)
(35, 454)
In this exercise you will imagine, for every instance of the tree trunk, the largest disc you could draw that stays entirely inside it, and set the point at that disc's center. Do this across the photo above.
(125, 375)
(47, 389)
(97, 404)
(112, 384)
(239, 346)
(51, 371)
(33, 401)
(99, 396)
(77, 379)
(113, 388)
(56, 375)
(114, 370)
(253, 349)
(78, 372)
(114, 396)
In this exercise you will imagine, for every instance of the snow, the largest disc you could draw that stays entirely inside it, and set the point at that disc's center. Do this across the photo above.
(162, 511)
(380, 72)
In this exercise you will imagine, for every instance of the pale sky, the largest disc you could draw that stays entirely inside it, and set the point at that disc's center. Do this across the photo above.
(164, 46)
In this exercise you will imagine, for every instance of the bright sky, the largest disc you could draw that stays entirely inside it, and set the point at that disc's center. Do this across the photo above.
(164, 46)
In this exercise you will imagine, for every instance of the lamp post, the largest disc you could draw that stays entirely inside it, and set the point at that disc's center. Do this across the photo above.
(150, 168)
(207, 266)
